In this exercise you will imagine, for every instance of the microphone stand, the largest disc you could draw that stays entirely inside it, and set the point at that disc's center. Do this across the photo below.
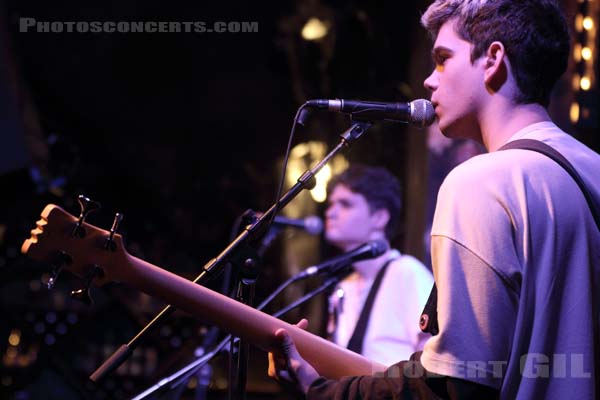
(247, 282)
(204, 372)
(329, 283)
(250, 232)
(240, 351)
(181, 376)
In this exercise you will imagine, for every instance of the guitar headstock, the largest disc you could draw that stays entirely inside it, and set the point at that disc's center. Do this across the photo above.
(70, 243)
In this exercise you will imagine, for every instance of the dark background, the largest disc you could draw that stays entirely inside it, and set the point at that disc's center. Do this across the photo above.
(181, 132)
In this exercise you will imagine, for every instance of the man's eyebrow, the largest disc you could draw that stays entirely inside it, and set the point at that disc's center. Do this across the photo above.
(440, 49)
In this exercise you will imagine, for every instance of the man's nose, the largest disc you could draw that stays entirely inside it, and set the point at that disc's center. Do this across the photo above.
(329, 212)
(431, 82)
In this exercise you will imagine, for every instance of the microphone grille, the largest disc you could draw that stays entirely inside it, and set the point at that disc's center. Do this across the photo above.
(422, 113)
(378, 247)
(313, 225)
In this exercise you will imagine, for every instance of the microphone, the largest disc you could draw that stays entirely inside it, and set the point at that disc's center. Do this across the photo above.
(418, 112)
(311, 224)
(371, 249)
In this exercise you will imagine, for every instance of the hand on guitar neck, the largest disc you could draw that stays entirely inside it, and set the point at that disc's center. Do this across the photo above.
(287, 365)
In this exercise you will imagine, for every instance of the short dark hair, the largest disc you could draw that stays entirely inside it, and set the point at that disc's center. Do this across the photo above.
(534, 33)
(378, 186)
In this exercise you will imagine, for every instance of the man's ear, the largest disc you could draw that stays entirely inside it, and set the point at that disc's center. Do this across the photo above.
(496, 68)
(380, 218)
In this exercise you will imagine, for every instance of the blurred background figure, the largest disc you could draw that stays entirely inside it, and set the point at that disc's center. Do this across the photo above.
(375, 310)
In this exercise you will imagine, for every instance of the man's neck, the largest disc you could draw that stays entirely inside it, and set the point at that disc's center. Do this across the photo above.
(502, 120)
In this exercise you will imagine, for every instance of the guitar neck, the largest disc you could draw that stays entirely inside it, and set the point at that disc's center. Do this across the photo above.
(54, 241)
(241, 320)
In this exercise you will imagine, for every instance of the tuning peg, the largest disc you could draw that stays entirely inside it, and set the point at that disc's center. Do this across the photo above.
(61, 260)
(87, 206)
(110, 244)
(83, 294)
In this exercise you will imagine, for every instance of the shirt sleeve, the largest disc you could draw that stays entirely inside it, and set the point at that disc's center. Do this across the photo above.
(476, 268)
(476, 316)
(404, 380)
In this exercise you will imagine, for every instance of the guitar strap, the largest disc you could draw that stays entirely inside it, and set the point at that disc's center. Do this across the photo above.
(356, 341)
(428, 321)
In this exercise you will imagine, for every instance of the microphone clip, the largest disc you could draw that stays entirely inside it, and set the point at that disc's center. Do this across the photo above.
(358, 128)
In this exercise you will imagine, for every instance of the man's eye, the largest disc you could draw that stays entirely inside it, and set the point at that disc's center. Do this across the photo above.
(440, 61)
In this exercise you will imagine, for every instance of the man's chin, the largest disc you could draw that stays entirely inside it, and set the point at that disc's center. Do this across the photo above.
(333, 240)
(452, 131)
(336, 242)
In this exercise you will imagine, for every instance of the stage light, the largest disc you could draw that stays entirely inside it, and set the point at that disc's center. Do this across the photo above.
(586, 53)
(576, 82)
(583, 80)
(574, 112)
(577, 52)
(14, 338)
(319, 192)
(585, 83)
(315, 29)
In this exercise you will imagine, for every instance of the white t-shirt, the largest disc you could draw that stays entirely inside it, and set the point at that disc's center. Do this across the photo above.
(392, 332)
(516, 258)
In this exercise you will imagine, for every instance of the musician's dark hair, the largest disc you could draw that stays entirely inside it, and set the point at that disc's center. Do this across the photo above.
(378, 186)
(534, 33)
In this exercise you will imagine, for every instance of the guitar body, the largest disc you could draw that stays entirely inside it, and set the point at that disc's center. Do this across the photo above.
(53, 234)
